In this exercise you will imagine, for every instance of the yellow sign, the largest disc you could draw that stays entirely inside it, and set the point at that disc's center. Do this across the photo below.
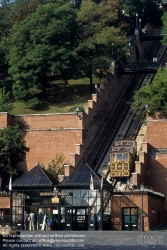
(55, 200)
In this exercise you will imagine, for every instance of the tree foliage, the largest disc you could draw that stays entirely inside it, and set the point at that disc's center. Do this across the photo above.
(5, 105)
(12, 151)
(56, 167)
(98, 28)
(148, 10)
(164, 28)
(50, 38)
(40, 46)
(155, 95)
(12, 12)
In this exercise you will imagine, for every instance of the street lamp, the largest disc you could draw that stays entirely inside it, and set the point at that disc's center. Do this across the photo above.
(141, 220)
(11, 203)
(130, 45)
(97, 87)
(128, 182)
(137, 20)
(112, 46)
(146, 109)
(77, 112)
(139, 23)
(146, 106)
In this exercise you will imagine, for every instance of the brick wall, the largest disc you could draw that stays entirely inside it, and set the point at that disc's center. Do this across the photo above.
(75, 137)
(152, 217)
(4, 119)
(68, 134)
(4, 201)
(156, 211)
(157, 161)
(45, 144)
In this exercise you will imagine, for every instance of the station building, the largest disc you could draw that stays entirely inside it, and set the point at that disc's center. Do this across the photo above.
(120, 207)
(77, 206)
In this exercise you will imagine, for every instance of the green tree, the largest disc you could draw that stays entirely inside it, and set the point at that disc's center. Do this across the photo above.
(12, 12)
(40, 46)
(5, 105)
(164, 28)
(148, 10)
(155, 95)
(98, 28)
(56, 167)
(12, 151)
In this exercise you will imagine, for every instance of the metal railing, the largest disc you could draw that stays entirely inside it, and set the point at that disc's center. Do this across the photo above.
(139, 67)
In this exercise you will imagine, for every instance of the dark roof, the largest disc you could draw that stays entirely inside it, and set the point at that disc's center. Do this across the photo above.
(36, 177)
(81, 177)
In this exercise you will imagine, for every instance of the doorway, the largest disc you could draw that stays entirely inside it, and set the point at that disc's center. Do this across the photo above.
(80, 220)
(130, 218)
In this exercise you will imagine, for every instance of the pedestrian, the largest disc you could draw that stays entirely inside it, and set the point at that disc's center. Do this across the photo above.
(26, 216)
(98, 217)
(31, 222)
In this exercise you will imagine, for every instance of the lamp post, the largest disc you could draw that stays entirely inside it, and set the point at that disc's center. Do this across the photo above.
(146, 106)
(11, 203)
(77, 112)
(128, 182)
(97, 87)
(139, 23)
(112, 46)
(137, 20)
(130, 44)
(146, 109)
(141, 220)
(59, 212)
(101, 204)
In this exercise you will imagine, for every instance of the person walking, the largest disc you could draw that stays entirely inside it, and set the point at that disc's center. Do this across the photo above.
(31, 222)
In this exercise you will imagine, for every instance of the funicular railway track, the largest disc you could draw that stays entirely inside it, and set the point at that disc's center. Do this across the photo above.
(136, 123)
(123, 124)
(95, 158)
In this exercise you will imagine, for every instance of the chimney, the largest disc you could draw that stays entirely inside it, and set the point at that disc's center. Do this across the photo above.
(61, 177)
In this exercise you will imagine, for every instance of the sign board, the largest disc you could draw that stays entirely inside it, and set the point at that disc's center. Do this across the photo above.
(55, 194)
(55, 200)
(47, 194)
(64, 194)
(55, 211)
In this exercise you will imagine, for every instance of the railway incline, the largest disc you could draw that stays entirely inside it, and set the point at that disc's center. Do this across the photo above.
(123, 123)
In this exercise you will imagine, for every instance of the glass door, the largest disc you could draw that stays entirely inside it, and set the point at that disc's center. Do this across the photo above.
(130, 219)
(80, 220)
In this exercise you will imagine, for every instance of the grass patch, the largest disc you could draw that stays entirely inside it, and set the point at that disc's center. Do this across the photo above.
(61, 98)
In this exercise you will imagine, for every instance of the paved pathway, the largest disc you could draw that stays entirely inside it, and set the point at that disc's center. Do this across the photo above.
(101, 240)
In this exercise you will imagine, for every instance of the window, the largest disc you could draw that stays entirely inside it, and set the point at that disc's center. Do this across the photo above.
(126, 158)
(119, 157)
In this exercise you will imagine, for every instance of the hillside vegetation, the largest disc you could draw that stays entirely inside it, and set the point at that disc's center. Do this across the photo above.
(49, 47)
